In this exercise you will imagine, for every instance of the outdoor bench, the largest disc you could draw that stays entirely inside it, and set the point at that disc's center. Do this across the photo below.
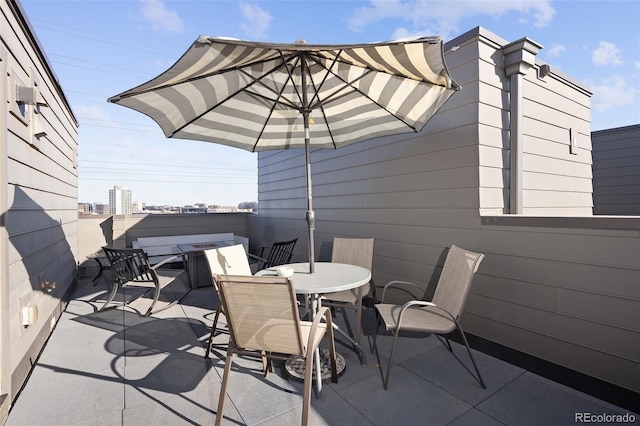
(159, 249)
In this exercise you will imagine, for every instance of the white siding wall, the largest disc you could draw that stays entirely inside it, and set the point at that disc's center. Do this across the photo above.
(568, 294)
(39, 193)
(556, 182)
(616, 171)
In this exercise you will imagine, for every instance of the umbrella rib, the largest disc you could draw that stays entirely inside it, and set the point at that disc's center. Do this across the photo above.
(277, 100)
(334, 97)
(317, 93)
(231, 95)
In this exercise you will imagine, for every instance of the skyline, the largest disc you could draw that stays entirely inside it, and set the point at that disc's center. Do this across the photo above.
(100, 48)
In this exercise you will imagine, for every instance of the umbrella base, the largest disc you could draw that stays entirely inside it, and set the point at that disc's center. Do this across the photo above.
(295, 366)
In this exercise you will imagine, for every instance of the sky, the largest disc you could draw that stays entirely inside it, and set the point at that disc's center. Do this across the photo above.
(101, 48)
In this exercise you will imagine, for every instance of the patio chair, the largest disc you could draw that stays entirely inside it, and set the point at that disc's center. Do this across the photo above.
(441, 316)
(131, 268)
(359, 252)
(263, 320)
(278, 254)
(230, 260)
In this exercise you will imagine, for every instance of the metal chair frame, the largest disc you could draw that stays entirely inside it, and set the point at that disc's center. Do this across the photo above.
(280, 253)
(264, 322)
(131, 267)
(440, 316)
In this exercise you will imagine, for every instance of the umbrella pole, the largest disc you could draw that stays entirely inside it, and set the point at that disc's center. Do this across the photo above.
(310, 216)
(311, 220)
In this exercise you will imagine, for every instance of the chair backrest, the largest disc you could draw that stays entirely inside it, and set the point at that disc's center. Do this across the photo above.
(280, 253)
(129, 265)
(353, 251)
(230, 260)
(262, 313)
(455, 279)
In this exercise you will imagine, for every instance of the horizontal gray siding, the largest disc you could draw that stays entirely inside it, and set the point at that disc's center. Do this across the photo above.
(565, 294)
(39, 194)
(616, 171)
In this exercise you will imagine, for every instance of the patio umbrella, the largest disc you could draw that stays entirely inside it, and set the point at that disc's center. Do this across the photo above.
(265, 96)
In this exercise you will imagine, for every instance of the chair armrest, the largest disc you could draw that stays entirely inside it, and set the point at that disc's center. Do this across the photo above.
(325, 313)
(418, 303)
(256, 258)
(402, 283)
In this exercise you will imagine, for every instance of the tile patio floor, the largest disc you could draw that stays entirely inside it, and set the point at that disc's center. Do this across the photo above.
(116, 367)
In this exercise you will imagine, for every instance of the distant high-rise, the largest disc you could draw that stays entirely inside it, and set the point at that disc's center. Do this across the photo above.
(120, 200)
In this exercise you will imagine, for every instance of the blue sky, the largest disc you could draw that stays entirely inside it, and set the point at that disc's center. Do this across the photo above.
(101, 48)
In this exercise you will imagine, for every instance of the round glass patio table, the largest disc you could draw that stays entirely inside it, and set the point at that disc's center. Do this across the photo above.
(328, 277)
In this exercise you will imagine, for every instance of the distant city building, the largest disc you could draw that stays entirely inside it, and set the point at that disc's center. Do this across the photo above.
(248, 205)
(137, 207)
(120, 200)
(221, 209)
(85, 208)
(101, 208)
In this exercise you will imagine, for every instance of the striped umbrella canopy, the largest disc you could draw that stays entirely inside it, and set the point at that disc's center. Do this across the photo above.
(269, 96)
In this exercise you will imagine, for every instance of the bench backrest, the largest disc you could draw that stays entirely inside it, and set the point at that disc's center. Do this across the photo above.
(161, 248)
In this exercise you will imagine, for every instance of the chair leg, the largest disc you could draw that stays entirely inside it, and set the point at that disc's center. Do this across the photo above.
(306, 399)
(267, 364)
(393, 351)
(332, 354)
(373, 345)
(213, 331)
(358, 318)
(114, 290)
(473, 361)
(446, 339)
(156, 296)
(223, 386)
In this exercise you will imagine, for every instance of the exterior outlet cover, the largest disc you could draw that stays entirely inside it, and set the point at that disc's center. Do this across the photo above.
(29, 315)
(573, 143)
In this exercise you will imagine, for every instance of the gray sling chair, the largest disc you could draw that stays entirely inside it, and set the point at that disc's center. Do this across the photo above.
(441, 316)
(231, 260)
(359, 252)
(264, 322)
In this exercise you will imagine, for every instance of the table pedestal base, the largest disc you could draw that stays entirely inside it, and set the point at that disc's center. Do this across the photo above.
(295, 366)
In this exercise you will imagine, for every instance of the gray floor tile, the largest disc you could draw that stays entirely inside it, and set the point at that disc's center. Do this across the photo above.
(331, 409)
(475, 417)
(454, 372)
(78, 399)
(532, 400)
(409, 400)
(117, 367)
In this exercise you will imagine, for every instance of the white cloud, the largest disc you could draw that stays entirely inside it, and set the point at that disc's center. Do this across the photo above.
(637, 64)
(160, 18)
(607, 54)
(612, 92)
(443, 18)
(556, 50)
(255, 21)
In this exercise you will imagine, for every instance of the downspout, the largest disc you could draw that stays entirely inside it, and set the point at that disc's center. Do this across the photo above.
(519, 56)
